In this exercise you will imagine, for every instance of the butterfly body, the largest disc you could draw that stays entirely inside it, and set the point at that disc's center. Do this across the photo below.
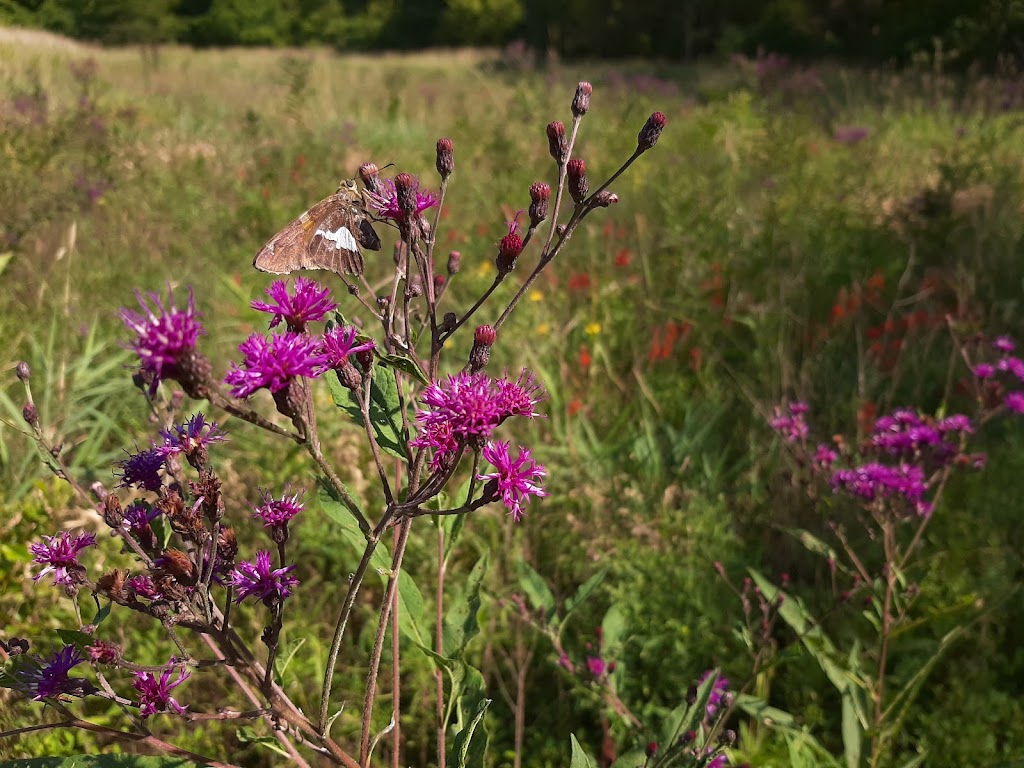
(327, 236)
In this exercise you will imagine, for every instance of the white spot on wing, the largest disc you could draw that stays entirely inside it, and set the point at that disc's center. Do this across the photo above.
(341, 238)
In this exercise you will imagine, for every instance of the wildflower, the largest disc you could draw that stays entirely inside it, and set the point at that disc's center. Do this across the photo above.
(483, 339)
(165, 340)
(190, 436)
(581, 101)
(273, 363)
(519, 397)
(718, 761)
(104, 652)
(51, 680)
(558, 143)
(984, 370)
(465, 401)
(258, 579)
(540, 193)
(445, 162)
(592, 329)
(651, 132)
(509, 248)
(596, 666)
(155, 692)
(1004, 344)
(824, 456)
(385, 201)
(790, 423)
(718, 690)
(142, 469)
(438, 436)
(577, 179)
(1014, 366)
(59, 554)
(515, 479)
(879, 481)
(1015, 402)
(142, 585)
(309, 303)
(340, 342)
(277, 512)
(136, 521)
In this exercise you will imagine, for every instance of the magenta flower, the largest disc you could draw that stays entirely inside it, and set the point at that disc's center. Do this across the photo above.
(439, 436)
(718, 690)
(1014, 366)
(1015, 402)
(260, 580)
(957, 422)
(155, 692)
(824, 456)
(516, 479)
(984, 370)
(274, 362)
(466, 401)
(718, 761)
(51, 680)
(142, 585)
(596, 666)
(1004, 344)
(340, 342)
(142, 469)
(790, 422)
(190, 436)
(59, 554)
(879, 481)
(277, 512)
(310, 303)
(385, 202)
(519, 397)
(165, 336)
(104, 652)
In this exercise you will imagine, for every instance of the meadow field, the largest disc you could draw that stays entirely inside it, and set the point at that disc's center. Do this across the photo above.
(849, 239)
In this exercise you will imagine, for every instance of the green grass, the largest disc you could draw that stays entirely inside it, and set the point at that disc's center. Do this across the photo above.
(742, 231)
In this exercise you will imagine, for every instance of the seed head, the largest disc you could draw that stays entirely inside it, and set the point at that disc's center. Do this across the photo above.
(604, 198)
(22, 371)
(445, 157)
(577, 172)
(651, 131)
(178, 566)
(454, 263)
(483, 339)
(31, 415)
(581, 101)
(558, 144)
(369, 174)
(540, 193)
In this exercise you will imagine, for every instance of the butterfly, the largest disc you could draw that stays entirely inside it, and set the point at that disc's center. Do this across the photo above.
(327, 236)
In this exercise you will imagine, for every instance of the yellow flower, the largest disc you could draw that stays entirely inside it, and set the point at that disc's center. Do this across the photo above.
(543, 329)
(536, 295)
(592, 329)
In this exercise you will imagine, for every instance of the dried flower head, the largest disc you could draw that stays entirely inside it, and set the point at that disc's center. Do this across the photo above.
(540, 193)
(558, 143)
(581, 101)
(577, 179)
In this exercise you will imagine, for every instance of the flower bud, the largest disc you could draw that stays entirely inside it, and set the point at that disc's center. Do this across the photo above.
(454, 263)
(405, 191)
(31, 415)
(445, 157)
(414, 288)
(22, 371)
(370, 176)
(113, 515)
(604, 198)
(540, 193)
(652, 749)
(483, 339)
(439, 281)
(728, 737)
(558, 144)
(104, 652)
(509, 248)
(581, 101)
(577, 172)
(651, 132)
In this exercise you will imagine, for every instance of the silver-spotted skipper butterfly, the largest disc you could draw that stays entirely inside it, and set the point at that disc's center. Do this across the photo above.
(327, 236)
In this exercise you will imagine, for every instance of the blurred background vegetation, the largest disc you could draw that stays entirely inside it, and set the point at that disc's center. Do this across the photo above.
(803, 229)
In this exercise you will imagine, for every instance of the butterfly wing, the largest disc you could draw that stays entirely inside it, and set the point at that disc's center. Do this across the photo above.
(324, 237)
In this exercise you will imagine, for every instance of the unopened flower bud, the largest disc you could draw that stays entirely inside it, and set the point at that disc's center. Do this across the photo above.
(509, 248)
(365, 358)
(454, 263)
(349, 377)
(439, 281)
(688, 737)
(558, 144)
(31, 415)
(405, 192)
(691, 694)
(104, 652)
(22, 371)
(448, 322)
(483, 339)
(370, 176)
(652, 749)
(540, 193)
(227, 545)
(577, 173)
(414, 287)
(445, 157)
(581, 101)
(604, 198)
(651, 132)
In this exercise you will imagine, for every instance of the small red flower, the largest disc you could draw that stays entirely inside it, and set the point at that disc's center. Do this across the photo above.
(585, 358)
(579, 281)
(623, 258)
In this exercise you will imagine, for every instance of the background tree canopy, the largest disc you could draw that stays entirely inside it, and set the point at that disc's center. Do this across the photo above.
(867, 31)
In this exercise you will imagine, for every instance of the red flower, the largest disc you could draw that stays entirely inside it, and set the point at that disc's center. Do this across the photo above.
(585, 358)
(623, 258)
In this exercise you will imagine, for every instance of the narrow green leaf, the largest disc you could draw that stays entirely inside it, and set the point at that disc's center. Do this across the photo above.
(247, 735)
(852, 733)
(536, 589)
(73, 637)
(469, 733)
(460, 621)
(613, 627)
(634, 758)
(408, 366)
(287, 653)
(585, 590)
(102, 613)
(580, 757)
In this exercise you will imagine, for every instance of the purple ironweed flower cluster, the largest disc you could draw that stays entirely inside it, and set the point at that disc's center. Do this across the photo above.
(155, 692)
(273, 363)
(51, 680)
(999, 380)
(59, 555)
(190, 436)
(310, 302)
(516, 479)
(165, 338)
(790, 423)
(261, 580)
(278, 512)
(718, 691)
(386, 201)
(340, 342)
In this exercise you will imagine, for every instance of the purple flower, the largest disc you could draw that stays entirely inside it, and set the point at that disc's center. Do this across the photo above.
(52, 680)
(879, 481)
(718, 689)
(984, 370)
(340, 342)
(274, 362)
(466, 402)
(277, 512)
(165, 336)
(718, 761)
(1013, 365)
(259, 580)
(596, 666)
(60, 555)
(824, 456)
(439, 436)
(519, 397)
(955, 423)
(190, 436)
(104, 652)
(1004, 344)
(143, 586)
(385, 202)
(516, 479)
(155, 692)
(142, 469)
(790, 422)
(1015, 402)
(310, 302)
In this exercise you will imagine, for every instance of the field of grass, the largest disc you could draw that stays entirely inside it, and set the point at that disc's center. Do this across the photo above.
(797, 233)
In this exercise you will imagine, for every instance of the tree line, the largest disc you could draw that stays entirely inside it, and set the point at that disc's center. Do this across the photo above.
(868, 31)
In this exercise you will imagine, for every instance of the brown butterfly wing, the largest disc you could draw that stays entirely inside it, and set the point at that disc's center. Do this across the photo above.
(303, 245)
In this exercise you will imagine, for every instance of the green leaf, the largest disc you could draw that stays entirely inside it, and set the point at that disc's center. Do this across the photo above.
(73, 637)
(470, 737)
(102, 613)
(813, 543)
(247, 735)
(536, 589)
(101, 761)
(385, 410)
(688, 717)
(580, 757)
(613, 627)
(634, 758)
(586, 589)
(408, 366)
(760, 710)
(410, 600)
(287, 653)
(460, 623)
